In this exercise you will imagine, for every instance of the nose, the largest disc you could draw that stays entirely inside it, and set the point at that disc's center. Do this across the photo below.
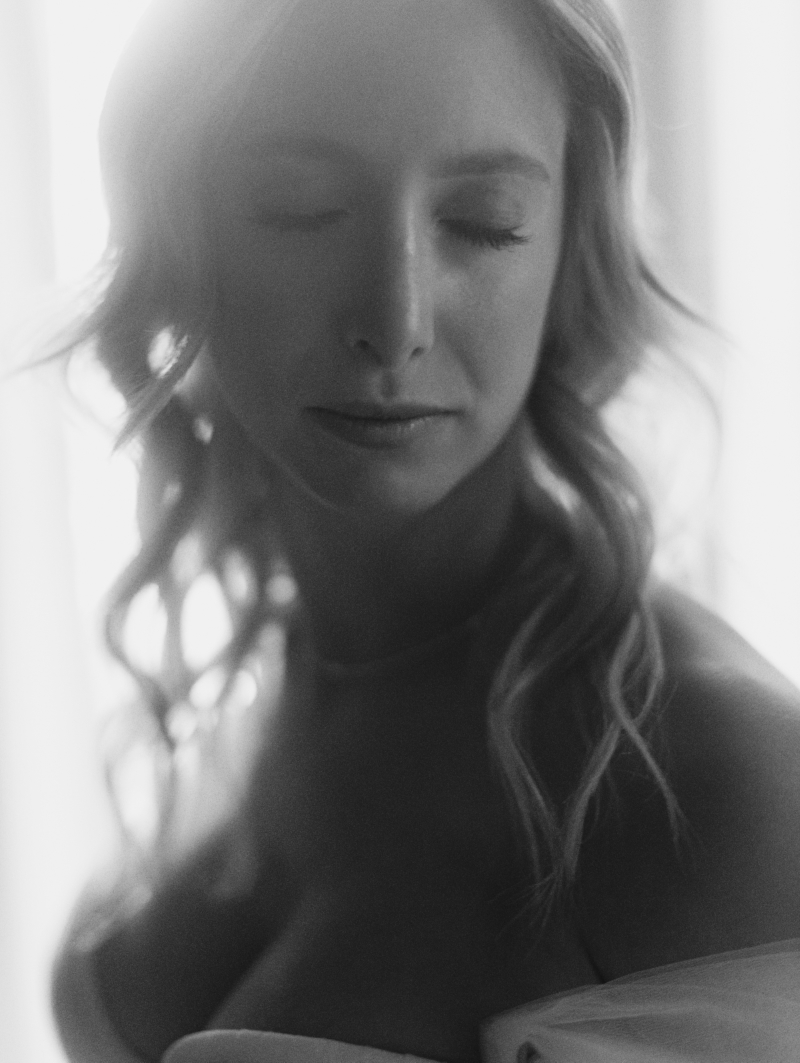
(391, 317)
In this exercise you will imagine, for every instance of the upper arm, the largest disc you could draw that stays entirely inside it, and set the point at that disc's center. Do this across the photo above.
(86, 1033)
(740, 786)
(163, 972)
(732, 736)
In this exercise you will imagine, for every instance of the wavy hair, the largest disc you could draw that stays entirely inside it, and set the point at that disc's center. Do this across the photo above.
(585, 636)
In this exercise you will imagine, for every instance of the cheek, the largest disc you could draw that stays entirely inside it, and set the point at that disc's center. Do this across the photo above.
(263, 298)
(501, 326)
(253, 347)
(269, 316)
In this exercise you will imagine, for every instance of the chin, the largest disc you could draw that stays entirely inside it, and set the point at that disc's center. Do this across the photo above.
(380, 496)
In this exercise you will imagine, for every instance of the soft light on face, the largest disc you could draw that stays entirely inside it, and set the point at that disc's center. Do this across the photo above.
(387, 212)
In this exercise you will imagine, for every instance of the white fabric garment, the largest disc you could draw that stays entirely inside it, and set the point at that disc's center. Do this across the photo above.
(250, 1046)
(739, 1007)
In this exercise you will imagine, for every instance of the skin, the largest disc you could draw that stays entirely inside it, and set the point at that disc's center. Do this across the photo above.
(732, 732)
(411, 261)
(386, 906)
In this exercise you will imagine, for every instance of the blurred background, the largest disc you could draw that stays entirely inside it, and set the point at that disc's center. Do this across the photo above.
(720, 86)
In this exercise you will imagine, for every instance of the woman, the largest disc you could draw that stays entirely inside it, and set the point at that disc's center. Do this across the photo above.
(390, 247)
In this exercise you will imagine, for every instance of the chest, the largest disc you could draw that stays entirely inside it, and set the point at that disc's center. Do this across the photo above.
(409, 922)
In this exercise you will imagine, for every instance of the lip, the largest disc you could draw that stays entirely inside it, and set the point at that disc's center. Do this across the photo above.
(379, 426)
(384, 411)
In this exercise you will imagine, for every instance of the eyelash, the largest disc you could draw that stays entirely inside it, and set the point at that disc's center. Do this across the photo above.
(477, 235)
(483, 236)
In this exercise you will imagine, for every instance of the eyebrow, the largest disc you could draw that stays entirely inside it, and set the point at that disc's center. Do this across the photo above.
(481, 163)
(474, 164)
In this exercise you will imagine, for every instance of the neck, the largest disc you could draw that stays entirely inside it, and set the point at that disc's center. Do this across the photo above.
(373, 588)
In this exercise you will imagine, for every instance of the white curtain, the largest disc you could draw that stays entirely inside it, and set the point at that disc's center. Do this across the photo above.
(53, 821)
(720, 85)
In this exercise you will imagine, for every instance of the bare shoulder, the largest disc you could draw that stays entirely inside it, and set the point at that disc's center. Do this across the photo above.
(731, 741)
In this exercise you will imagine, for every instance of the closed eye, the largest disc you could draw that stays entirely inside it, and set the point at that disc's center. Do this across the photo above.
(484, 235)
(477, 235)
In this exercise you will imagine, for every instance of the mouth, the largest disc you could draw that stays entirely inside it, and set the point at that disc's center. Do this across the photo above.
(382, 427)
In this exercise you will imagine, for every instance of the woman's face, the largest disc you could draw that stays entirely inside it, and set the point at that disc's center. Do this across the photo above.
(387, 215)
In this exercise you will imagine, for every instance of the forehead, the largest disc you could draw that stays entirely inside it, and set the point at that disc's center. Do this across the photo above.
(397, 79)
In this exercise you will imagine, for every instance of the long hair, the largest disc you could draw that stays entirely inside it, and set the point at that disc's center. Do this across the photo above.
(586, 638)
